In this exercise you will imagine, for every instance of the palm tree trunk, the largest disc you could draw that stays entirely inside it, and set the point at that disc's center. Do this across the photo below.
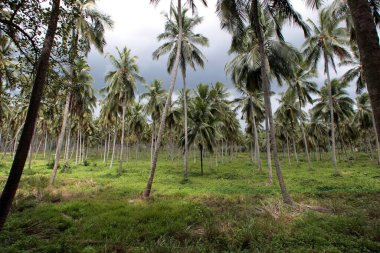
(153, 138)
(294, 147)
(369, 49)
(114, 146)
(15, 173)
(105, 150)
(377, 140)
(303, 132)
(256, 136)
(122, 139)
(201, 154)
(269, 158)
(68, 137)
(186, 162)
(60, 139)
(77, 149)
(167, 105)
(287, 147)
(108, 146)
(370, 146)
(266, 87)
(45, 144)
(333, 148)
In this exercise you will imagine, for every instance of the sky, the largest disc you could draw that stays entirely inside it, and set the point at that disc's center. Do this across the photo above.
(137, 24)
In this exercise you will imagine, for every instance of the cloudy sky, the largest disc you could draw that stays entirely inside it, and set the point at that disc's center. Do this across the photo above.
(137, 24)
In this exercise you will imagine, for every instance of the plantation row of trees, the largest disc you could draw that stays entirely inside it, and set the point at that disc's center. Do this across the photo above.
(60, 116)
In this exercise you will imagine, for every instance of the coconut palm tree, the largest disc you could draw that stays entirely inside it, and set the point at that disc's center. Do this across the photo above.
(303, 88)
(342, 104)
(190, 53)
(18, 164)
(121, 86)
(204, 121)
(87, 26)
(156, 96)
(232, 15)
(174, 71)
(326, 42)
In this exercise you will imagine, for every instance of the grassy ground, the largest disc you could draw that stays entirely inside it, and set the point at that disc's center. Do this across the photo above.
(230, 209)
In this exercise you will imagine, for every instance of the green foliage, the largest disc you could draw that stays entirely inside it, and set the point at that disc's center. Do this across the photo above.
(229, 209)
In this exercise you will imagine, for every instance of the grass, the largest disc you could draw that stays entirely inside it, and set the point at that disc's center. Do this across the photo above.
(230, 209)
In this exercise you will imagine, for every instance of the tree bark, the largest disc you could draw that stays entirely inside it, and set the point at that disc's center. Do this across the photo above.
(266, 87)
(269, 157)
(377, 140)
(256, 136)
(122, 139)
(185, 159)
(332, 123)
(167, 105)
(201, 154)
(114, 146)
(369, 49)
(60, 139)
(13, 180)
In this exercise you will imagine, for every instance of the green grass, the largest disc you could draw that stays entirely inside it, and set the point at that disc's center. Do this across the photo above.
(230, 209)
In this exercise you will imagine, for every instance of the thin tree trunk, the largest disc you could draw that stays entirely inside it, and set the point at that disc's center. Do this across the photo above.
(45, 145)
(288, 149)
(369, 49)
(201, 154)
(294, 147)
(105, 150)
(333, 148)
(114, 145)
(122, 139)
(256, 136)
(370, 146)
(186, 162)
(303, 133)
(167, 105)
(108, 146)
(13, 180)
(60, 139)
(269, 158)
(266, 87)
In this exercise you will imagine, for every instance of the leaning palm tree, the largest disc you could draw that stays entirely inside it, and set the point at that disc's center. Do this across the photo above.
(327, 41)
(87, 26)
(303, 88)
(174, 71)
(190, 53)
(121, 86)
(232, 15)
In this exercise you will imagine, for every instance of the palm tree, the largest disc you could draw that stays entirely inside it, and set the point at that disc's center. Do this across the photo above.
(87, 26)
(121, 86)
(327, 41)
(301, 85)
(362, 17)
(364, 118)
(176, 64)
(18, 164)
(232, 15)
(342, 104)
(190, 53)
(204, 120)
(156, 96)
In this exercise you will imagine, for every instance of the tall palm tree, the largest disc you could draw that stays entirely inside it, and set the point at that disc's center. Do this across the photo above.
(176, 64)
(303, 88)
(326, 42)
(342, 104)
(232, 15)
(361, 20)
(121, 86)
(87, 26)
(156, 96)
(190, 53)
(18, 164)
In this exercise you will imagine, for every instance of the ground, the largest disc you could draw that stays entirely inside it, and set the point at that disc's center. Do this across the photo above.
(229, 209)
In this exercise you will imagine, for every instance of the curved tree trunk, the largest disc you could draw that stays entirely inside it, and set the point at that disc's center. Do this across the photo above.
(60, 139)
(369, 49)
(266, 87)
(167, 105)
(13, 180)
